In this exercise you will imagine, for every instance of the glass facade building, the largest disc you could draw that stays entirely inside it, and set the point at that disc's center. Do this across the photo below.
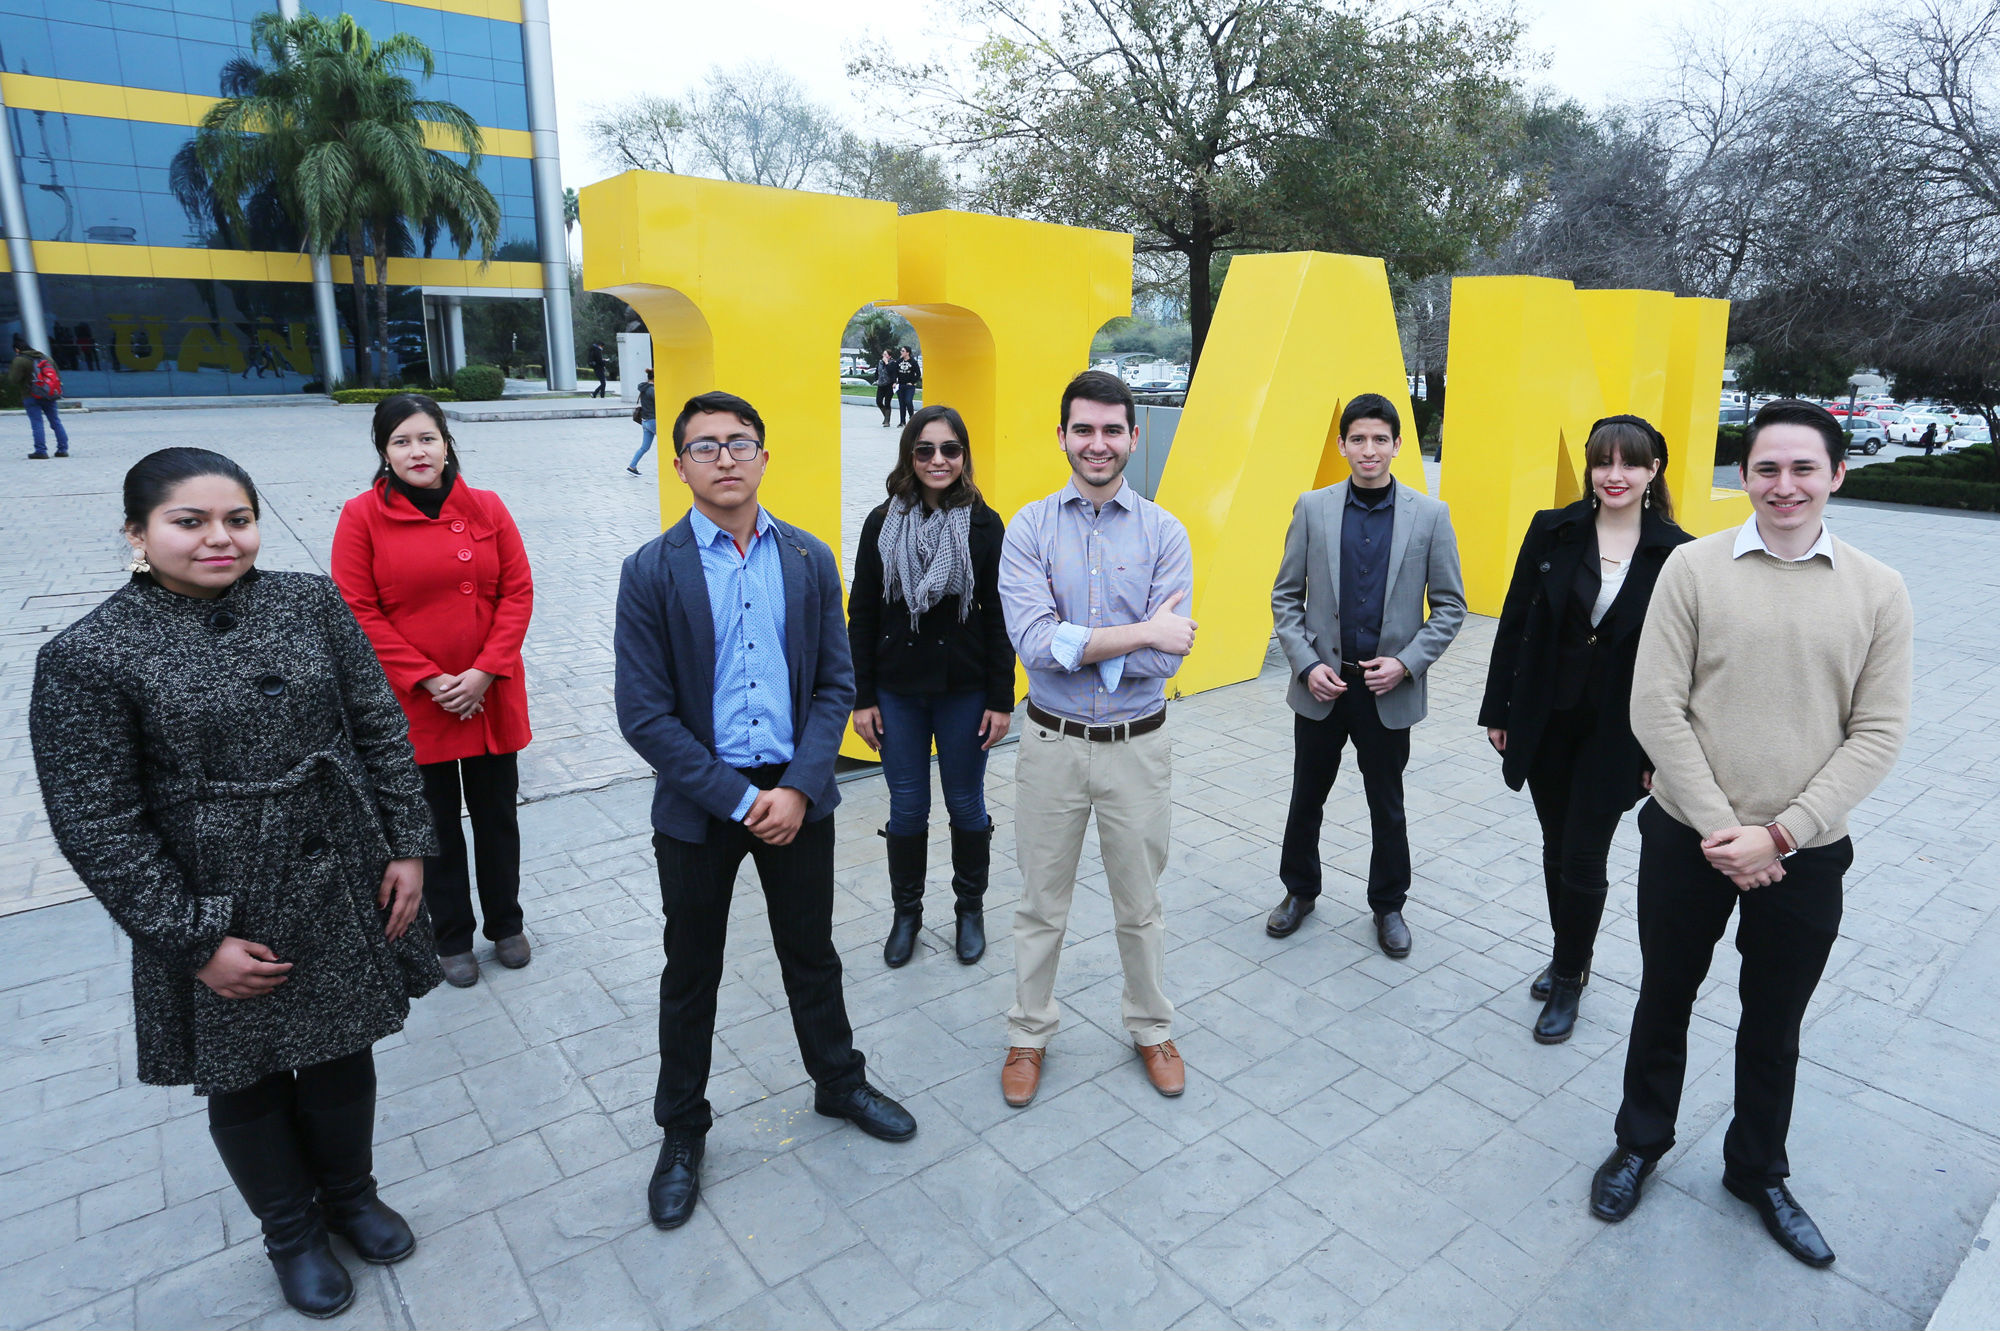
(120, 268)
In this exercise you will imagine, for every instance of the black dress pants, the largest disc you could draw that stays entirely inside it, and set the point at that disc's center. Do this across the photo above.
(488, 785)
(697, 880)
(1382, 754)
(1576, 839)
(1784, 935)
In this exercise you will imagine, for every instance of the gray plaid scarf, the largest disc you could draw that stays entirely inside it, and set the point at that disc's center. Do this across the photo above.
(926, 556)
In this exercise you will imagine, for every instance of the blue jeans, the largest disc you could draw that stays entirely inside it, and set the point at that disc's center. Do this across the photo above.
(910, 721)
(45, 406)
(647, 428)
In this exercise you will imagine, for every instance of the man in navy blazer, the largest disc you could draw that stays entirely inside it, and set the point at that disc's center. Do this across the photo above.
(734, 682)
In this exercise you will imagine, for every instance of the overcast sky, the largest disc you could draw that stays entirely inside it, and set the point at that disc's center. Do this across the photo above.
(608, 49)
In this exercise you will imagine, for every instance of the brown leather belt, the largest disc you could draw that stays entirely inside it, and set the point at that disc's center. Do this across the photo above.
(1097, 734)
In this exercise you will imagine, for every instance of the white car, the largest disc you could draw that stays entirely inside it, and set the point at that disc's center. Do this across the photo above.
(1909, 427)
(1971, 430)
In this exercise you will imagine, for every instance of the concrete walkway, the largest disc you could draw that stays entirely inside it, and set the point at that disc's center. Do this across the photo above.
(1363, 1142)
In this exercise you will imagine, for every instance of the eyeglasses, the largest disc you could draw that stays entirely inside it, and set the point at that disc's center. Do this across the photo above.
(708, 450)
(925, 452)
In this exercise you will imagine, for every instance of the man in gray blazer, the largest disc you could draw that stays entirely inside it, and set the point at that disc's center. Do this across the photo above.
(734, 682)
(1361, 560)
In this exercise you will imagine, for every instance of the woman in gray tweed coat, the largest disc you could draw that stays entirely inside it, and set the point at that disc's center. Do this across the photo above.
(225, 767)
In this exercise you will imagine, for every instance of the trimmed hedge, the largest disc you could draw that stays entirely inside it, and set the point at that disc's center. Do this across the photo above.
(1962, 480)
(479, 383)
(1729, 445)
(371, 395)
(11, 395)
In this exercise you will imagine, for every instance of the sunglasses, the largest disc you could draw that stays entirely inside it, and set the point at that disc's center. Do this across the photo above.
(925, 452)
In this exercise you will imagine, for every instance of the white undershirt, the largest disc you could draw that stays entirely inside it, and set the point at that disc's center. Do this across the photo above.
(1610, 577)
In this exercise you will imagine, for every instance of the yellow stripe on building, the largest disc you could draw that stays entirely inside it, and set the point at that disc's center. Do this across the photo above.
(56, 257)
(506, 11)
(32, 92)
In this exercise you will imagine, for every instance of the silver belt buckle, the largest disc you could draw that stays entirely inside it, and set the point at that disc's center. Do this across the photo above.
(1122, 731)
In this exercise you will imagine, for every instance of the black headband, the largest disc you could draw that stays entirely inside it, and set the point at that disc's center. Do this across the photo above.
(1644, 425)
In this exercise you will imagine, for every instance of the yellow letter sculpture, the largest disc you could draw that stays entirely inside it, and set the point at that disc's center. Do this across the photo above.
(746, 289)
(1532, 363)
(1294, 337)
(1006, 311)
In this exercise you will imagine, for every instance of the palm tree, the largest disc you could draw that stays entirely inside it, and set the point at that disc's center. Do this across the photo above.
(326, 114)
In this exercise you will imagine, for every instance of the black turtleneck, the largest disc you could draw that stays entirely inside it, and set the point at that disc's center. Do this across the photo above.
(428, 502)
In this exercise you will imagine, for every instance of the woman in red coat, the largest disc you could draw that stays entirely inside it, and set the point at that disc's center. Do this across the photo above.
(436, 573)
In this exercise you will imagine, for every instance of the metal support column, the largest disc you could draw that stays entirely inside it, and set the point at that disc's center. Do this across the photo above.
(332, 365)
(20, 245)
(538, 64)
(454, 338)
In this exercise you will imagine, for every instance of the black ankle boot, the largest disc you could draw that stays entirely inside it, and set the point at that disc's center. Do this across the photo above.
(1558, 1017)
(1539, 988)
(339, 1144)
(906, 890)
(971, 860)
(264, 1161)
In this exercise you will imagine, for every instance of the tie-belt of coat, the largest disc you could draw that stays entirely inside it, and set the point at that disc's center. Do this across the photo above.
(204, 791)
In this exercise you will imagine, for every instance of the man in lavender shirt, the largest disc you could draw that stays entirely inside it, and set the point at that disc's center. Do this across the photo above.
(1092, 580)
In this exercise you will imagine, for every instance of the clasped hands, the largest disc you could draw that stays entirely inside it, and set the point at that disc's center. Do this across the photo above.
(463, 695)
(1380, 673)
(1746, 854)
(239, 968)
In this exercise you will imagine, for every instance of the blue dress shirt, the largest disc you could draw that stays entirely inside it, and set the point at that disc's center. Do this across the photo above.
(746, 602)
(1366, 523)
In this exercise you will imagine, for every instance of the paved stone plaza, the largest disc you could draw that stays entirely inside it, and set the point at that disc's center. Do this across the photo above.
(1363, 1142)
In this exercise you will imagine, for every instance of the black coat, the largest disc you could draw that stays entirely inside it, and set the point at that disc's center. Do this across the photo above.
(1521, 680)
(943, 654)
(237, 767)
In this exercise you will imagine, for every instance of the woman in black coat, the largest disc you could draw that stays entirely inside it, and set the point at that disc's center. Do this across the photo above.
(1559, 689)
(932, 663)
(227, 770)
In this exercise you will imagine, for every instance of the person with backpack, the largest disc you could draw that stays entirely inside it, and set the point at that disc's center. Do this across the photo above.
(41, 388)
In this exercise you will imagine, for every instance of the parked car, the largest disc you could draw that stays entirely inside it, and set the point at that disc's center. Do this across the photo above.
(1865, 436)
(1908, 428)
(1972, 430)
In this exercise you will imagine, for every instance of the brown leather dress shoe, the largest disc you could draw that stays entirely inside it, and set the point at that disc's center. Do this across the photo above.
(1021, 1075)
(1164, 1067)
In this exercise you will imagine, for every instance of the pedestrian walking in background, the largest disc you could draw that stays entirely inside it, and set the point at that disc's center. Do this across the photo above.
(932, 664)
(647, 419)
(1929, 439)
(436, 574)
(599, 366)
(225, 768)
(885, 385)
(41, 390)
(734, 684)
(909, 374)
(1093, 578)
(1559, 687)
(1772, 694)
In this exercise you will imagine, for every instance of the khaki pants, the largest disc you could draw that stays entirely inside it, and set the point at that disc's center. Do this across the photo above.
(1059, 781)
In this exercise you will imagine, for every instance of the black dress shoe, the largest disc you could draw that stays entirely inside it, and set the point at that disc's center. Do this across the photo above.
(1392, 933)
(1614, 1189)
(1288, 915)
(676, 1184)
(868, 1109)
(1538, 989)
(1558, 1017)
(1785, 1218)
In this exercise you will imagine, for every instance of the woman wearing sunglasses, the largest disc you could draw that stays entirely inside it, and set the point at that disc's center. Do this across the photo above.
(932, 664)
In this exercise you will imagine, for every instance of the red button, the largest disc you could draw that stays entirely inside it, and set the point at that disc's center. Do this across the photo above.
(465, 587)
(465, 555)
(458, 524)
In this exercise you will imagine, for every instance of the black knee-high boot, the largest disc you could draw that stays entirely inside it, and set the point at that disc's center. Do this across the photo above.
(268, 1168)
(971, 859)
(906, 890)
(339, 1142)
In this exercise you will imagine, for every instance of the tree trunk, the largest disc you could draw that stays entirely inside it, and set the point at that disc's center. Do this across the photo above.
(389, 369)
(358, 274)
(1201, 299)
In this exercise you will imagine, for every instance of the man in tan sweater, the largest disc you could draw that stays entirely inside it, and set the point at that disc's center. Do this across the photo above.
(1772, 694)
